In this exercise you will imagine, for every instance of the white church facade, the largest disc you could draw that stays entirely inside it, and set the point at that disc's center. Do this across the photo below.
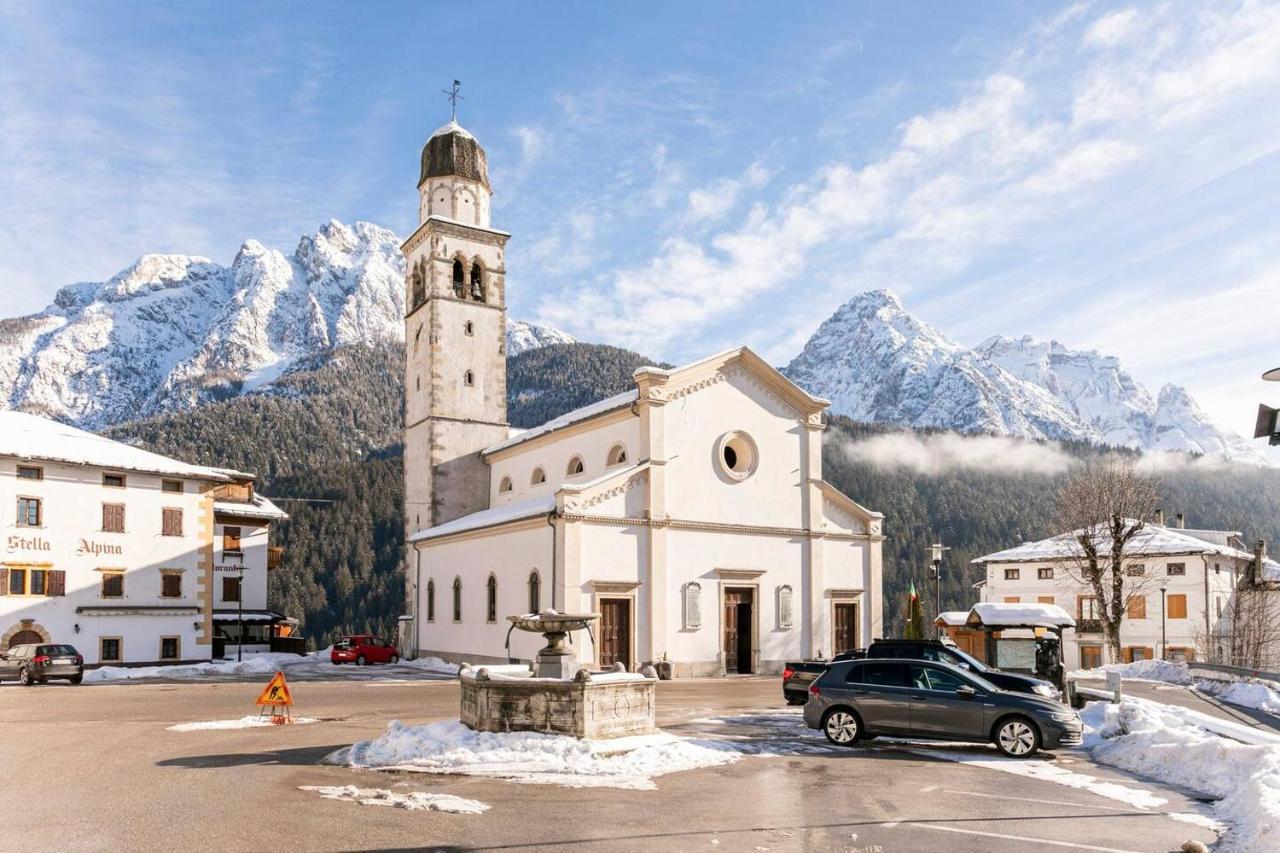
(690, 511)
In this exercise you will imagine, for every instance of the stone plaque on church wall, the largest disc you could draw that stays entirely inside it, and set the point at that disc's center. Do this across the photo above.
(786, 612)
(692, 606)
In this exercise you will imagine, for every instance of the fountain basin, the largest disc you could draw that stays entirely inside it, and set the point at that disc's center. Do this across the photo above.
(590, 705)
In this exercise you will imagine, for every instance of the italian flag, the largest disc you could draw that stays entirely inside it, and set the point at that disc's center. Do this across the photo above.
(911, 593)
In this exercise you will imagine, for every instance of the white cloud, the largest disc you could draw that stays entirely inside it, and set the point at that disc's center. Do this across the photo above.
(715, 200)
(1112, 28)
(532, 142)
(943, 453)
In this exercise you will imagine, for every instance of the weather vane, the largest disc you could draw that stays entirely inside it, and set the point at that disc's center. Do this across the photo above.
(454, 97)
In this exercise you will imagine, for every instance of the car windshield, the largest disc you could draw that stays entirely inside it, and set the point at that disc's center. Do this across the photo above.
(58, 651)
(342, 644)
(974, 664)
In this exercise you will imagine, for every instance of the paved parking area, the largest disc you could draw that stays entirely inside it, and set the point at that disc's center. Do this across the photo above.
(110, 776)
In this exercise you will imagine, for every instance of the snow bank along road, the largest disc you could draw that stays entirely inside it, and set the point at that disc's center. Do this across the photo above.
(137, 785)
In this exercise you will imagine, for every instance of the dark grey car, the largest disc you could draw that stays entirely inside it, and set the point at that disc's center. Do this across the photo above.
(36, 663)
(933, 701)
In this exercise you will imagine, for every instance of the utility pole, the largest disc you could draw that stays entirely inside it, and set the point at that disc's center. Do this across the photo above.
(936, 550)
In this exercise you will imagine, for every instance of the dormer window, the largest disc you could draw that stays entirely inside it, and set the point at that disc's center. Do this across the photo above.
(617, 455)
(539, 476)
(459, 280)
(575, 467)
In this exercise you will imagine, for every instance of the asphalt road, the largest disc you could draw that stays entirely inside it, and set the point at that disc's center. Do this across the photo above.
(94, 768)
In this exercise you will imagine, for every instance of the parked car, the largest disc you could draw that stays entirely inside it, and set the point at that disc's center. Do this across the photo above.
(36, 663)
(361, 649)
(797, 675)
(946, 652)
(859, 699)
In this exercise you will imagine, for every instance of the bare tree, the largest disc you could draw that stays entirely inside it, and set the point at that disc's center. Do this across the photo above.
(1106, 505)
(1254, 616)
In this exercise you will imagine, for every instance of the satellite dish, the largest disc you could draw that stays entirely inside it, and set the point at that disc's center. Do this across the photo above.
(1272, 375)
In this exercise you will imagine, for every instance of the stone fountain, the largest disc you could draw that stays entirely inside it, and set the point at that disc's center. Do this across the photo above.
(560, 696)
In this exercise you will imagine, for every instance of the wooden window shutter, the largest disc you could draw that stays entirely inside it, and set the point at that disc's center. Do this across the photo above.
(113, 518)
(57, 583)
(1137, 607)
(1178, 606)
(4, 581)
(172, 522)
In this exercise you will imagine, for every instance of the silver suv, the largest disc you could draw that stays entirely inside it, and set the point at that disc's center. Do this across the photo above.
(926, 700)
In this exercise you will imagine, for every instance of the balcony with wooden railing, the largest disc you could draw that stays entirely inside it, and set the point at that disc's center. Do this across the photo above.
(275, 556)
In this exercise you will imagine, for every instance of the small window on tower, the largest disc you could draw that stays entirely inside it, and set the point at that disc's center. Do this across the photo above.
(469, 328)
(468, 379)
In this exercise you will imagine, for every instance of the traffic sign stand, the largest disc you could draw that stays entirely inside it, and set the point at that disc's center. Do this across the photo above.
(277, 697)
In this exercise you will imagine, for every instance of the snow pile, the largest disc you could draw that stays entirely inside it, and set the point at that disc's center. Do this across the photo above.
(251, 722)
(1260, 695)
(1148, 670)
(414, 801)
(530, 757)
(1164, 743)
(266, 663)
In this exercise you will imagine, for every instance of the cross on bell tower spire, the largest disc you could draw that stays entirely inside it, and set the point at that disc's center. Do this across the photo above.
(452, 94)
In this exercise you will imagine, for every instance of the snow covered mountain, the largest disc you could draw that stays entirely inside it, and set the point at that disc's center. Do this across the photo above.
(173, 331)
(877, 362)
(523, 336)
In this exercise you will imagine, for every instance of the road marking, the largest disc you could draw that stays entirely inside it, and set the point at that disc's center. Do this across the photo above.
(1043, 841)
(1033, 800)
(928, 789)
(891, 824)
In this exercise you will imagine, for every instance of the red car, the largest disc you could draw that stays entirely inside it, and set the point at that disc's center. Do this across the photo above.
(362, 649)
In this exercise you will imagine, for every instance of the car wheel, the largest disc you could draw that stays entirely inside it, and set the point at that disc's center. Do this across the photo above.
(76, 679)
(1017, 737)
(25, 679)
(394, 659)
(360, 661)
(841, 727)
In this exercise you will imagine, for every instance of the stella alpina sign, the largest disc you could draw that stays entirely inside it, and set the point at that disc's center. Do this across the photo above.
(27, 543)
(88, 546)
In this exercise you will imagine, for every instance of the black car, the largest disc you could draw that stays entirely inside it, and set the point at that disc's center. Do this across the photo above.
(918, 699)
(36, 663)
(936, 650)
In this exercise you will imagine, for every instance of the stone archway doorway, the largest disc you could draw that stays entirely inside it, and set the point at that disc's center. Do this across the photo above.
(23, 637)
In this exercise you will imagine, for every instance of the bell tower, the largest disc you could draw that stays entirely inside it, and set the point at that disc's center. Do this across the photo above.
(455, 378)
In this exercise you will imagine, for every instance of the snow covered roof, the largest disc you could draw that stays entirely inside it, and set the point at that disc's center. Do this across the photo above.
(1153, 540)
(259, 507)
(30, 437)
(992, 614)
(600, 407)
(489, 517)
(953, 618)
(452, 126)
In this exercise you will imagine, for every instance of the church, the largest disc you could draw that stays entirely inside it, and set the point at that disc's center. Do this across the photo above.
(689, 511)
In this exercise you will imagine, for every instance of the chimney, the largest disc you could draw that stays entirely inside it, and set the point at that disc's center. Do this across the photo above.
(1180, 521)
(1160, 517)
(1259, 557)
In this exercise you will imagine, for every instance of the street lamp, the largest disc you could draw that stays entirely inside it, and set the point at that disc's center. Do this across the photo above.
(935, 558)
(1164, 598)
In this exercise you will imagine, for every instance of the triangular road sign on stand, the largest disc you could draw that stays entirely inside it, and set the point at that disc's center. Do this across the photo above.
(276, 692)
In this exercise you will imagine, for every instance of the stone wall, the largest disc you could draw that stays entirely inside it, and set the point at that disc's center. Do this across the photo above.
(605, 708)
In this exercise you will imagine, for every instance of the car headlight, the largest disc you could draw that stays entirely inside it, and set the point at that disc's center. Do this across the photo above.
(1045, 690)
(1063, 716)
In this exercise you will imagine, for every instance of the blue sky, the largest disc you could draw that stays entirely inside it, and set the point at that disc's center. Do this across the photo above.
(683, 177)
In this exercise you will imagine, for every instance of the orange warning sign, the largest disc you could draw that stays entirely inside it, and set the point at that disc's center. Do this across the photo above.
(276, 692)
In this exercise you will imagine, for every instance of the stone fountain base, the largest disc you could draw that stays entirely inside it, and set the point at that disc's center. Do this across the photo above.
(590, 705)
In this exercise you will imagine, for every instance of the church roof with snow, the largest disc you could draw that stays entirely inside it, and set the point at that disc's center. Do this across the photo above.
(453, 151)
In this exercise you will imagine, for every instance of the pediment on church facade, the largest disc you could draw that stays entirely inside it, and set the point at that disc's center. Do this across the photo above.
(842, 511)
(660, 386)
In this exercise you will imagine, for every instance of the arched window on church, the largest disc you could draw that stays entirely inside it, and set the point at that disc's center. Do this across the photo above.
(576, 467)
(535, 592)
(539, 476)
(457, 599)
(419, 288)
(505, 485)
(617, 455)
(459, 280)
(477, 282)
(491, 600)
(431, 601)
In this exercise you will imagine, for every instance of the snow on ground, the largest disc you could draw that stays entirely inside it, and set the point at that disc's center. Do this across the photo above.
(1164, 743)
(1149, 670)
(250, 722)
(531, 757)
(266, 663)
(413, 801)
(1259, 695)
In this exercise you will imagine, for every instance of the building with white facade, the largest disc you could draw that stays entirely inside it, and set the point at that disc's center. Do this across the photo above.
(1179, 586)
(130, 556)
(690, 511)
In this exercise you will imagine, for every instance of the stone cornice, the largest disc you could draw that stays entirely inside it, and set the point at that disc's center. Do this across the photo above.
(440, 225)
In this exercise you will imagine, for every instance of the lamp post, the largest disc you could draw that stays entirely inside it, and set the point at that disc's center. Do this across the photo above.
(935, 558)
(1164, 598)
